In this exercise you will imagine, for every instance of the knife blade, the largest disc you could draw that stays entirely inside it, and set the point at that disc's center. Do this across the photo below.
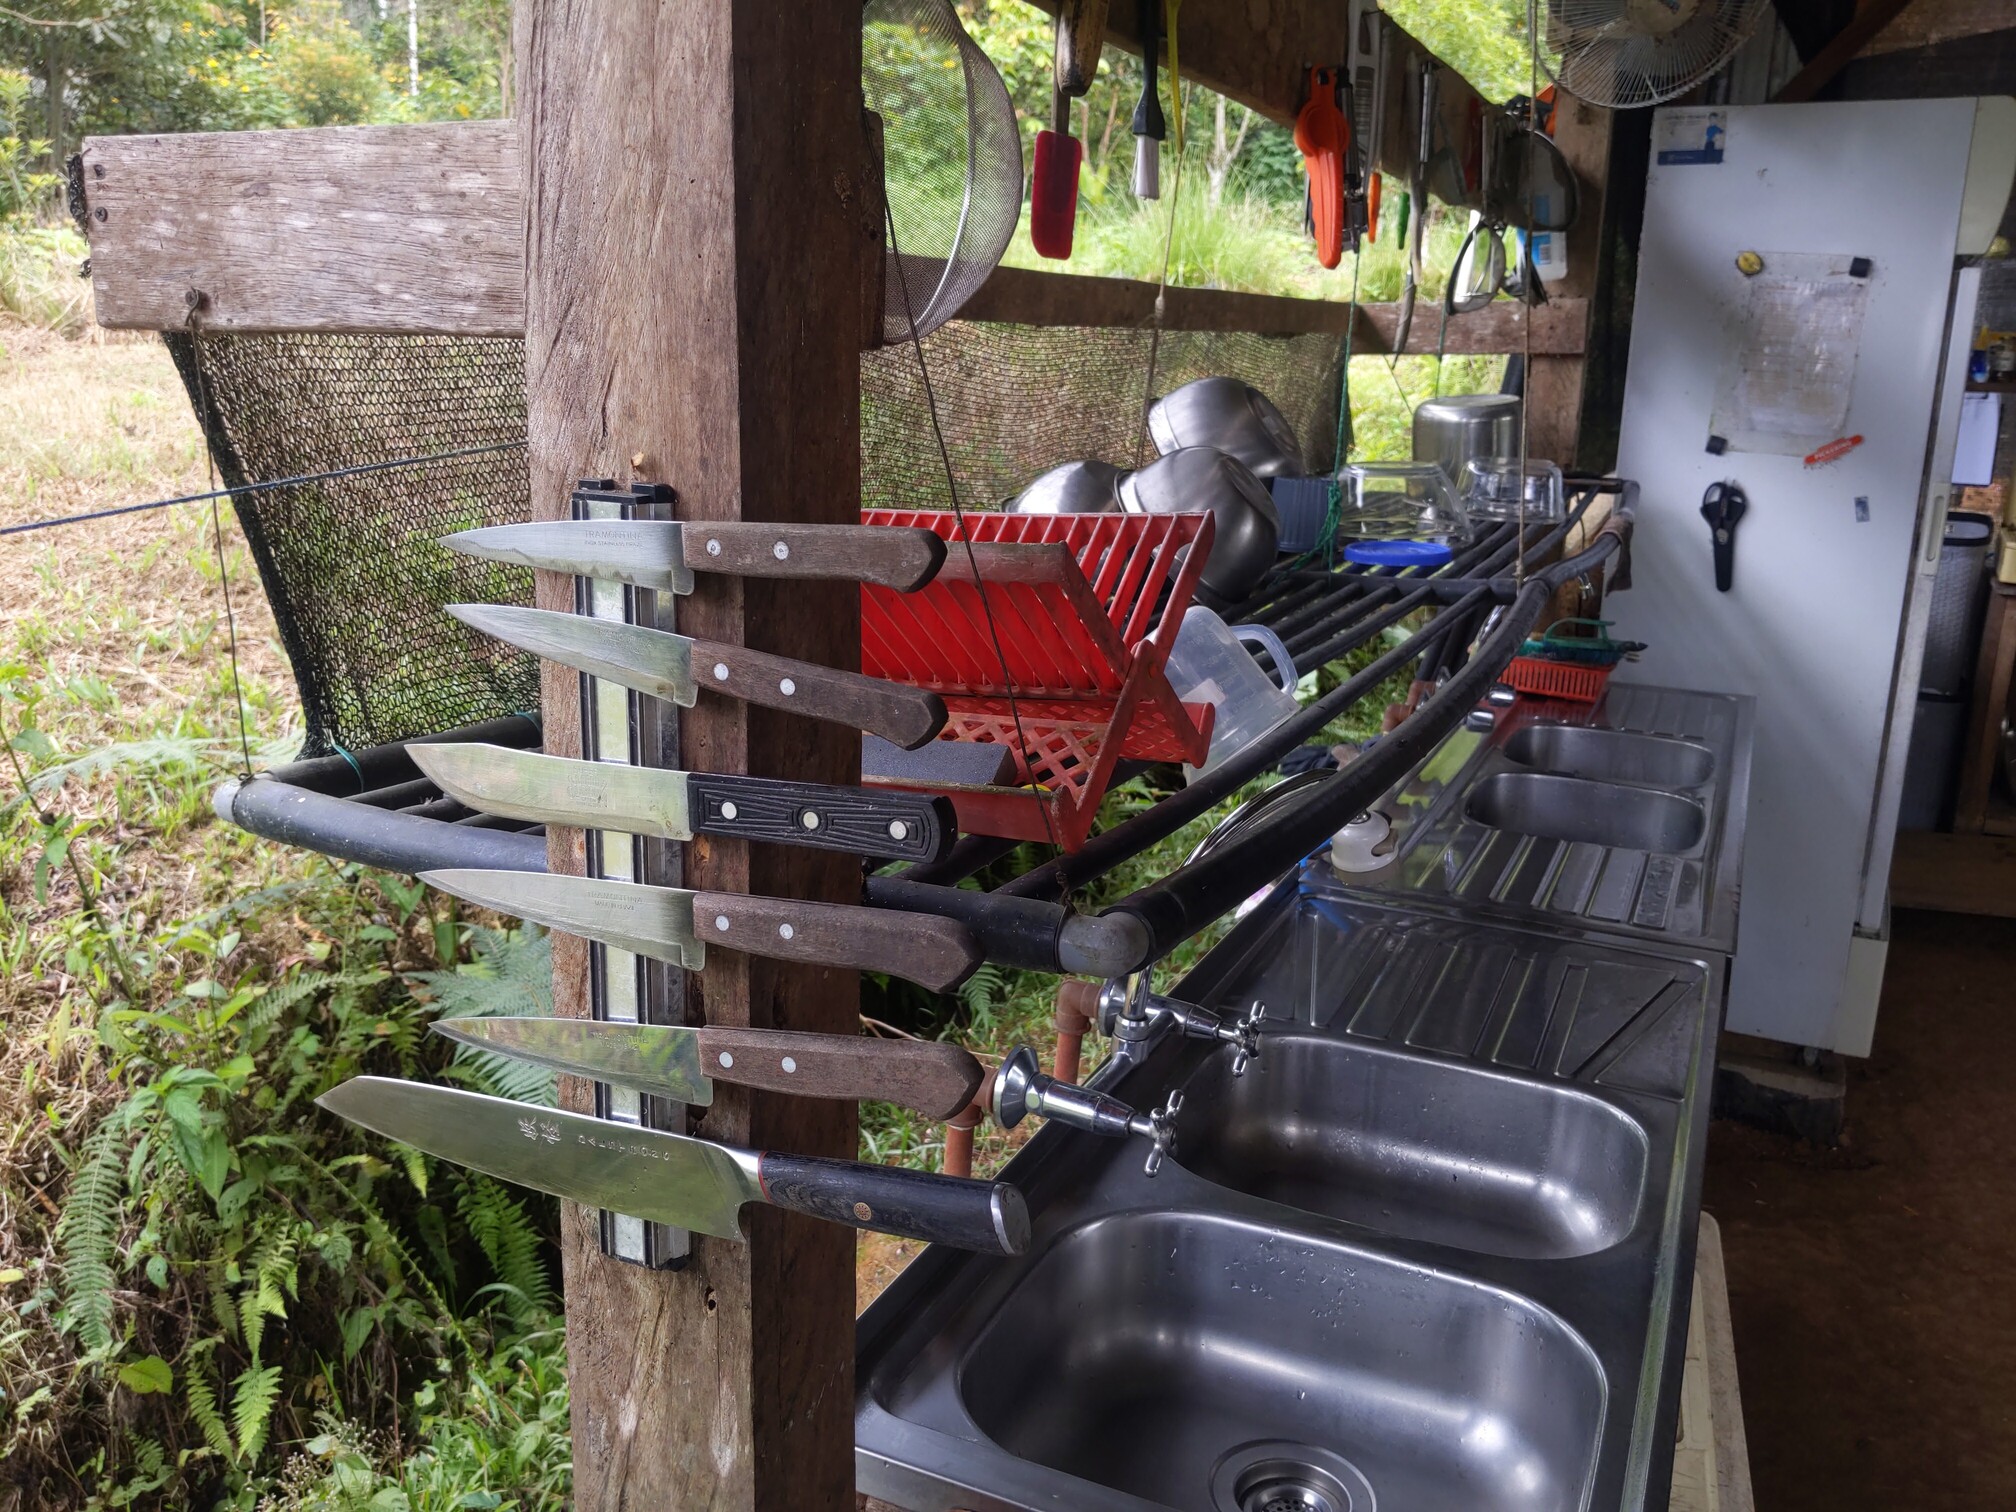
(675, 667)
(656, 554)
(677, 805)
(673, 1178)
(673, 924)
(933, 1078)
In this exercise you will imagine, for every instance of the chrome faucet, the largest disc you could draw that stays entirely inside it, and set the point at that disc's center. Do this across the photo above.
(1021, 1088)
(1134, 1018)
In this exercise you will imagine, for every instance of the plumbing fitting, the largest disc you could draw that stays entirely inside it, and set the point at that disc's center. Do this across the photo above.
(1020, 1088)
(1135, 1018)
(1077, 1006)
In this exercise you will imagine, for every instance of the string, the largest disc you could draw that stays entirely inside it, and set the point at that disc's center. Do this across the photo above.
(1161, 290)
(194, 322)
(256, 488)
(1526, 319)
(966, 532)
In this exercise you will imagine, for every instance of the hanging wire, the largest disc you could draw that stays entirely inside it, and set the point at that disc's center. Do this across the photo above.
(194, 321)
(1162, 284)
(1526, 320)
(966, 532)
(391, 465)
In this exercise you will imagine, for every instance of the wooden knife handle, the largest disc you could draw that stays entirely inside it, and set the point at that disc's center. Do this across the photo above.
(937, 1080)
(922, 948)
(861, 821)
(1081, 32)
(989, 1216)
(899, 557)
(910, 717)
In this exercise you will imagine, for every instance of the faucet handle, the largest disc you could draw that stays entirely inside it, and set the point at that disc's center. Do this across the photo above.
(1246, 1035)
(1161, 1131)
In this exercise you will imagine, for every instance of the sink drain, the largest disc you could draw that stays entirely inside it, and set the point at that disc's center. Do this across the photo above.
(1281, 1476)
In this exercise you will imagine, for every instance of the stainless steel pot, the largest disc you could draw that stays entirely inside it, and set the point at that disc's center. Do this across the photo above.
(1454, 429)
(1234, 417)
(1075, 488)
(1194, 479)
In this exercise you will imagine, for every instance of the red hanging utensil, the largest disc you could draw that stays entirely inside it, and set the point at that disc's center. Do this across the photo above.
(1053, 185)
(1324, 138)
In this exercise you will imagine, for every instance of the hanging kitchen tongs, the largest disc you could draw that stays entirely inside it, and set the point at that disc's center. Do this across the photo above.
(1415, 200)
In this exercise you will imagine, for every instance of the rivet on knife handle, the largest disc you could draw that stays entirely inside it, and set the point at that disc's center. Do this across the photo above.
(934, 952)
(911, 717)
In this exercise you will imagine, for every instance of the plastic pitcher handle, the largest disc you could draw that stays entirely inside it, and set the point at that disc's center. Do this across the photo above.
(1284, 664)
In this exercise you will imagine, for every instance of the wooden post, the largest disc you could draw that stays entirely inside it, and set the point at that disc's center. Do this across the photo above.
(1554, 386)
(694, 245)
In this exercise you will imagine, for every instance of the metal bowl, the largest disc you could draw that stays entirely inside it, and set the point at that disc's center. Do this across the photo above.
(1196, 479)
(1234, 417)
(1073, 489)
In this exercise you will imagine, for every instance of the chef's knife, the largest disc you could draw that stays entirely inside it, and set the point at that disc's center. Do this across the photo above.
(663, 554)
(673, 924)
(678, 805)
(935, 1079)
(675, 668)
(670, 1178)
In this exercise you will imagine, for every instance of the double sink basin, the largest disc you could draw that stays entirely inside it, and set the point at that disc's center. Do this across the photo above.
(1429, 1252)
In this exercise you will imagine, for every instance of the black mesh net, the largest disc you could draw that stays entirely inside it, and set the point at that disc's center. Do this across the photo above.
(357, 580)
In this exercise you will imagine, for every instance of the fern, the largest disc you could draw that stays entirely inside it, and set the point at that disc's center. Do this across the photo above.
(509, 975)
(506, 1234)
(202, 1399)
(88, 1231)
(252, 1407)
(980, 991)
(274, 1271)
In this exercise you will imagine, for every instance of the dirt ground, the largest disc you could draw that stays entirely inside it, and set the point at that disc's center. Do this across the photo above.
(1873, 1287)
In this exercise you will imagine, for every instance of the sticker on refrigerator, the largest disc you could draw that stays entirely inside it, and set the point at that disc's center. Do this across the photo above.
(1681, 137)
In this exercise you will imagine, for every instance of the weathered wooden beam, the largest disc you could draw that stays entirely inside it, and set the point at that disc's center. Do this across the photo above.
(374, 228)
(693, 263)
(1870, 17)
(417, 229)
(1026, 296)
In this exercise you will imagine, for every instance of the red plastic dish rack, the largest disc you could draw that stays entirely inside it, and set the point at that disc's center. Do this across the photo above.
(1086, 608)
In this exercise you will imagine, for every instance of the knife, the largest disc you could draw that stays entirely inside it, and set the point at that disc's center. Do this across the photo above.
(671, 1178)
(677, 805)
(653, 553)
(673, 924)
(675, 667)
(935, 1079)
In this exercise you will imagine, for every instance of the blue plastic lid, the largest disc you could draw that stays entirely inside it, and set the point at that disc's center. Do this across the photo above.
(1398, 553)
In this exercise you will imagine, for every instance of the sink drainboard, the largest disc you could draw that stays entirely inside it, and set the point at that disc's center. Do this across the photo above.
(1281, 1476)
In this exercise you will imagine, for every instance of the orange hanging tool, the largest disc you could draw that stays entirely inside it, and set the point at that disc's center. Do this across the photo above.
(1323, 136)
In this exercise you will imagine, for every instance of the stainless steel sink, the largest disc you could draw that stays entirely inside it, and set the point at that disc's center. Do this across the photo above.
(1215, 1363)
(1660, 761)
(1577, 811)
(1645, 848)
(1475, 1160)
(1429, 1254)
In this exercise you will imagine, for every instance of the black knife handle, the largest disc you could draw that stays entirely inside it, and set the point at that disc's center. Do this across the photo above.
(901, 826)
(989, 1216)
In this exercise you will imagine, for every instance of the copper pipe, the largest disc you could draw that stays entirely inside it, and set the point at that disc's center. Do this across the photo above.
(1077, 1003)
(959, 1136)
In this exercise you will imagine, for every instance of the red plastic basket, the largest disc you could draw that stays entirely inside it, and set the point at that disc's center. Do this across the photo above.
(1578, 682)
(1086, 609)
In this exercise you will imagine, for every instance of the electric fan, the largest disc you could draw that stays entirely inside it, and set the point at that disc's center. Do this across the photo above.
(1627, 53)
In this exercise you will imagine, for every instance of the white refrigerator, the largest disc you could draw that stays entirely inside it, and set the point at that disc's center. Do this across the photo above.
(1801, 330)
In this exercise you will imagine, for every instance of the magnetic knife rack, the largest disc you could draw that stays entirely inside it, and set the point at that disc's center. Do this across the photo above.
(375, 807)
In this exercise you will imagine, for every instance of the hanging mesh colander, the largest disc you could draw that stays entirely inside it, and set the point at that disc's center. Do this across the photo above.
(952, 159)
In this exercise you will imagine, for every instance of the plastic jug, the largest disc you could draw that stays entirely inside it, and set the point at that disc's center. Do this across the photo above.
(1210, 664)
